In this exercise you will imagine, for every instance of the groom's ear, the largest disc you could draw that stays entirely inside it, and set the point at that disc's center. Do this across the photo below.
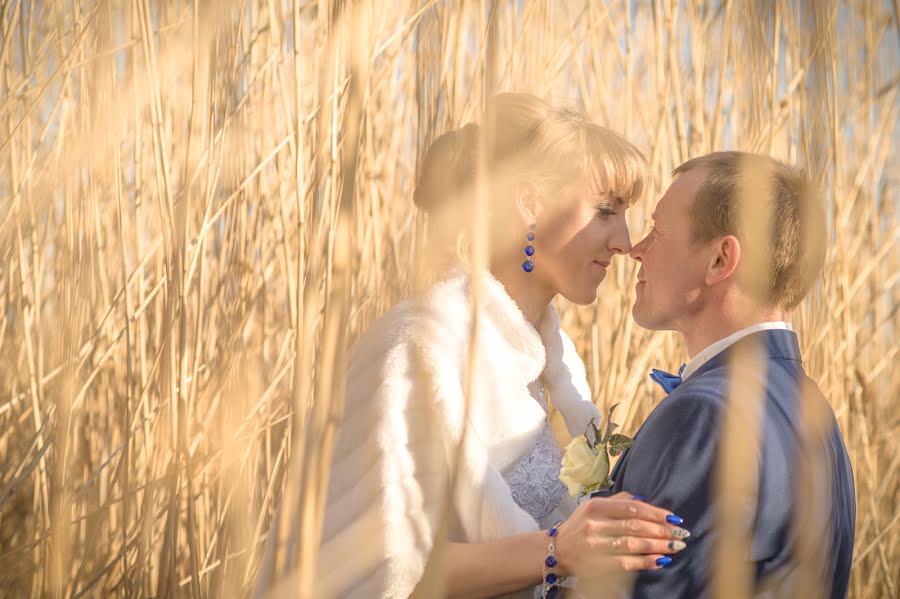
(724, 260)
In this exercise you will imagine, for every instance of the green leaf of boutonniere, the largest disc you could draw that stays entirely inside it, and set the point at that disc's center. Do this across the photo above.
(618, 444)
(610, 425)
(592, 434)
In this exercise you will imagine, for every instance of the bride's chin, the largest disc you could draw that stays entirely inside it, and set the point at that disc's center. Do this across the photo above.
(584, 298)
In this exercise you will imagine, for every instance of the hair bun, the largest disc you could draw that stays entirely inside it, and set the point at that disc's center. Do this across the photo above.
(447, 168)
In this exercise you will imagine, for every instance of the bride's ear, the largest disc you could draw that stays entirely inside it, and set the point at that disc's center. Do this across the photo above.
(528, 205)
(724, 260)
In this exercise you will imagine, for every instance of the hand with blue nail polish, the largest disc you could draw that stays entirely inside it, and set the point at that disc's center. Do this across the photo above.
(622, 532)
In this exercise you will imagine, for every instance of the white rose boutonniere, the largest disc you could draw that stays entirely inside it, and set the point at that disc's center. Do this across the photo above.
(585, 463)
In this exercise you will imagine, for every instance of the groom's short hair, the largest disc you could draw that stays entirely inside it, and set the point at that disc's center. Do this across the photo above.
(795, 251)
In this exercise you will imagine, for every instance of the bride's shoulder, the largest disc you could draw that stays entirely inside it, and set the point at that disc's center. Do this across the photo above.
(433, 320)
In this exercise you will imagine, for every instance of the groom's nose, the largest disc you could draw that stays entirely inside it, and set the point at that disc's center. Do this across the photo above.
(637, 252)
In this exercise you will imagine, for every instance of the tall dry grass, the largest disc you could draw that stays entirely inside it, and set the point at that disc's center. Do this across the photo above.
(202, 203)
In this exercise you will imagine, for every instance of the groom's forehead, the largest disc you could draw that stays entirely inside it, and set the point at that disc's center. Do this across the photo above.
(669, 204)
(680, 195)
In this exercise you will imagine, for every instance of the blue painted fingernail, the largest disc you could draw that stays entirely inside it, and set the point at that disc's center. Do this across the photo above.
(664, 561)
(639, 498)
(673, 519)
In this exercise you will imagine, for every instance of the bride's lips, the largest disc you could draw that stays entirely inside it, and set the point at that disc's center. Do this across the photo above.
(600, 264)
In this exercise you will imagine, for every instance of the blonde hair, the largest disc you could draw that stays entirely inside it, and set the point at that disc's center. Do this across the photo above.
(532, 143)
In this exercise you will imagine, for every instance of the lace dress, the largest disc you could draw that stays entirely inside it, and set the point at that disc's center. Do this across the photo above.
(534, 478)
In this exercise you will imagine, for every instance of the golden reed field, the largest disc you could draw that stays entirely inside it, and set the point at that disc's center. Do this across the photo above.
(204, 202)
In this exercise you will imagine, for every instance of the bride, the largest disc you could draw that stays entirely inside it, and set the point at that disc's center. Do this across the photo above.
(413, 462)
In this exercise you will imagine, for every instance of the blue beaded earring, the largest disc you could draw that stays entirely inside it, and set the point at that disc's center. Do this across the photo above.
(528, 265)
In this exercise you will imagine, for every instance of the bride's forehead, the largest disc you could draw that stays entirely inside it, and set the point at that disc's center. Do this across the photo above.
(606, 188)
(614, 182)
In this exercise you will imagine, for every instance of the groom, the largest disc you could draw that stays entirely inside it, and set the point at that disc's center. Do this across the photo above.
(727, 288)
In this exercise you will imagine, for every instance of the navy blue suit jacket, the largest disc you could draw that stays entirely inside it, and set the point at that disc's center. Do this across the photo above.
(673, 464)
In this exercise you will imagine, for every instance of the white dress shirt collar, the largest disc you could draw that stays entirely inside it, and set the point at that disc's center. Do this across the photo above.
(722, 344)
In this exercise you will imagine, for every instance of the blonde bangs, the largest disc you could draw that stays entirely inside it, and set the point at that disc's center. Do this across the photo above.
(617, 168)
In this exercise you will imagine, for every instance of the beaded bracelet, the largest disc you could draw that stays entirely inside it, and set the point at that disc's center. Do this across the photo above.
(551, 580)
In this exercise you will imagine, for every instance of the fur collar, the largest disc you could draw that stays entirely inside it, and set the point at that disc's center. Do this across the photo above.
(503, 413)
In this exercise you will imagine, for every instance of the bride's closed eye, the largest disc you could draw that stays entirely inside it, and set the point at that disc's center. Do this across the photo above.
(605, 210)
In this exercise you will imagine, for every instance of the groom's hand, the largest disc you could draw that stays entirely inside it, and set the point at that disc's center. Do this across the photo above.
(617, 534)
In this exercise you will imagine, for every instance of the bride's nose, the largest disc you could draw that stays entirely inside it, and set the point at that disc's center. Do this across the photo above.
(620, 242)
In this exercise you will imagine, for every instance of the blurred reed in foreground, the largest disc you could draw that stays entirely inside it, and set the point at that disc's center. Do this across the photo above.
(202, 204)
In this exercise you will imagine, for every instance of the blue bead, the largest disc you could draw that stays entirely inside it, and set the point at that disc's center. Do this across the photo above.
(552, 532)
(528, 266)
(550, 561)
(530, 236)
(529, 250)
(551, 578)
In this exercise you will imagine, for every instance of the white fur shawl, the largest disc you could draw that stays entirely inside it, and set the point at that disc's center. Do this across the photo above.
(405, 415)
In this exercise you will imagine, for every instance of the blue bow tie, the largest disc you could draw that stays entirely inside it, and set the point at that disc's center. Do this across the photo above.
(667, 380)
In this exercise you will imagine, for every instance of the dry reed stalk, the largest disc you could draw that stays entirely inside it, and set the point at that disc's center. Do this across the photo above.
(172, 176)
(740, 433)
